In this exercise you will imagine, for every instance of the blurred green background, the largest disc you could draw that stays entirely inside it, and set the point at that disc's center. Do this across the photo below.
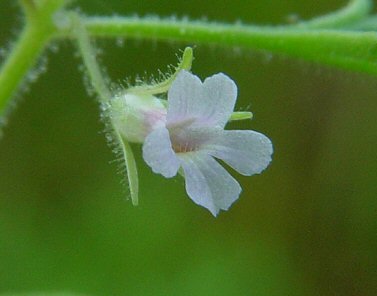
(306, 226)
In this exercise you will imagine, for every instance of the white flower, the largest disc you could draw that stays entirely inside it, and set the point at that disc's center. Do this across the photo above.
(194, 136)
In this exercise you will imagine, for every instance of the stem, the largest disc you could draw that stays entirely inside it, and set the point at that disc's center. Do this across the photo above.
(21, 59)
(100, 85)
(348, 50)
(39, 29)
(89, 57)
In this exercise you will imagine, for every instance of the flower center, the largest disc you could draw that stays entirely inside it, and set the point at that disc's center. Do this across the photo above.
(183, 147)
(185, 140)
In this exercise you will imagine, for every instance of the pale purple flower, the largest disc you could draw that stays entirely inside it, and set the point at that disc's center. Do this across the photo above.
(194, 136)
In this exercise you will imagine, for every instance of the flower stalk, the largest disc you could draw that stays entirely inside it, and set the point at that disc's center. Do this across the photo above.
(100, 85)
(88, 54)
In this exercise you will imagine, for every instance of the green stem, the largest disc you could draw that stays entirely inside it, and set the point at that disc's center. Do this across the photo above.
(88, 54)
(21, 59)
(355, 51)
(100, 85)
(39, 29)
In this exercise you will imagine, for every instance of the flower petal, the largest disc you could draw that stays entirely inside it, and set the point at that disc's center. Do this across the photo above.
(201, 104)
(221, 94)
(207, 183)
(248, 152)
(158, 153)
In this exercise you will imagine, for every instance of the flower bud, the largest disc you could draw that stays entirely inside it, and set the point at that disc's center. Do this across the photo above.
(135, 116)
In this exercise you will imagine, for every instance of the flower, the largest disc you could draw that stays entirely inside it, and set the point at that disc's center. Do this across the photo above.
(193, 137)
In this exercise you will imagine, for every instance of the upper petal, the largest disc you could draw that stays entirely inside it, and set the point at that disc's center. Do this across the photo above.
(158, 153)
(221, 94)
(248, 152)
(208, 184)
(201, 104)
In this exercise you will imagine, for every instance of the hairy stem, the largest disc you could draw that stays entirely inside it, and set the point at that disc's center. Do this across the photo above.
(355, 51)
(39, 29)
(21, 59)
(88, 54)
(98, 81)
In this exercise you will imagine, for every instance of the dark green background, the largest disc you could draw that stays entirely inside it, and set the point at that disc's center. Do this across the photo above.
(306, 226)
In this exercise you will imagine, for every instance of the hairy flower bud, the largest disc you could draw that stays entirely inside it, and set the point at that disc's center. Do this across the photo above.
(136, 116)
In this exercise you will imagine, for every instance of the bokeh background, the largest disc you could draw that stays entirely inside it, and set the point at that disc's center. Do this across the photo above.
(306, 226)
